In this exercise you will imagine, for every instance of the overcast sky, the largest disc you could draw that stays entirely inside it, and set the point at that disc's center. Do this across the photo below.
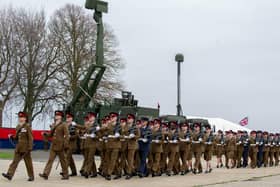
(231, 48)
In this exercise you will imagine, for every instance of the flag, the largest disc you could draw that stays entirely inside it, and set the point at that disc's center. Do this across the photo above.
(244, 121)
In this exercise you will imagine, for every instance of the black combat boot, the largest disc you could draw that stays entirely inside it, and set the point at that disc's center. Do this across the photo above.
(44, 176)
(30, 179)
(7, 176)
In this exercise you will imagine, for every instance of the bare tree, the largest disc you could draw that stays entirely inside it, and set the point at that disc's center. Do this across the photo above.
(36, 55)
(8, 81)
(75, 31)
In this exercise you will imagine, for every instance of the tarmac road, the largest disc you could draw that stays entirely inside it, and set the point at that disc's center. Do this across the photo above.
(219, 177)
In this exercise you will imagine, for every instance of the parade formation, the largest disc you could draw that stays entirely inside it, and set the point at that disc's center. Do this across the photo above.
(136, 142)
(133, 147)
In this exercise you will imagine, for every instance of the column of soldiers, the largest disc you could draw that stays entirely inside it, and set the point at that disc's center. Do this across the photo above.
(129, 147)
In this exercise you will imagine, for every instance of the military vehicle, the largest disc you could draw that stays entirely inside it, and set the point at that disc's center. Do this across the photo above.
(82, 101)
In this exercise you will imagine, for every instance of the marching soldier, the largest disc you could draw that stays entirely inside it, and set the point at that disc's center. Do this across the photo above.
(23, 148)
(184, 146)
(173, 139)
(150, 155)
(266, 149)
(229, 149)
(132, 145)
(73, 136)
(272, 149)
(137, 154)
(245, 153)
(209, 142)
(102, 146)
(276, 153)
(91, 144)
(235, 150)
(144, 146)
(239, 148)
(82, 133)
(220, 148)
(60, 142)
(156, 148)
(197, 143)
(113, 145)
(253, 150)
(121, 164)
(260, 145)
(165, 148)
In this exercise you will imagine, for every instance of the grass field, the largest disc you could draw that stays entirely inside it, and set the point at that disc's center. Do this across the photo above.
(6, 155)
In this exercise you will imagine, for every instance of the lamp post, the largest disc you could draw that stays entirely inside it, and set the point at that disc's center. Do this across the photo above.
(179, 58)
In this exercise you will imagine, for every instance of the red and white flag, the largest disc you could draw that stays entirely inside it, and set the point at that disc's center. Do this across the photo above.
(244, 121)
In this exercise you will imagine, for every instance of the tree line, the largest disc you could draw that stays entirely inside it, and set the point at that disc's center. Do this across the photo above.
(42, 62)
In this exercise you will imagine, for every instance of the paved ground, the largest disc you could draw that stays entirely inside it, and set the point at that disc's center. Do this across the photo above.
(219, 177)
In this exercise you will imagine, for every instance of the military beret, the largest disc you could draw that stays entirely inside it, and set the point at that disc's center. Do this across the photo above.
(253, 132)
(196, 125)
(107, 118)
(122, 120)
(164, 125)
(239, 131)
(173, 124)
(265, 133)
(69, 115)
(138, 121)
(91, 114)
(277, 134)
(184, 124)
(271, 134)
(114, 114)
(103, 120)
(220, 131)
(157, 121)
(22, 115)
(207, 126)
(59, 113)
(130, 116)
(235, 133)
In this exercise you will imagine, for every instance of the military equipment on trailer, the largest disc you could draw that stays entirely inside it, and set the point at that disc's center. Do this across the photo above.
(82, 101)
